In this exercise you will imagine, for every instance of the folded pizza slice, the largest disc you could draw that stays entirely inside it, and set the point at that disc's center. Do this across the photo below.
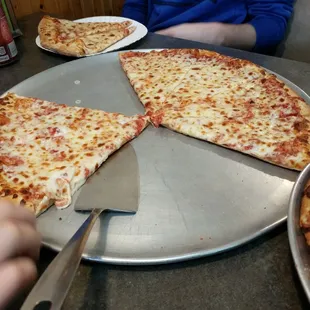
(48, 150)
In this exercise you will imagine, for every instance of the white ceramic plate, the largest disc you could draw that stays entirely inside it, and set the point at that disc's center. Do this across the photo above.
(138, 34)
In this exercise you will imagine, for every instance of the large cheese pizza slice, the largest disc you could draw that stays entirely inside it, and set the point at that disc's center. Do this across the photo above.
(80, 39)
(48, 150)
(231, 102)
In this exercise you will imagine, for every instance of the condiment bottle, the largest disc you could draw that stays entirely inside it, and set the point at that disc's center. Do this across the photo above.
(8, 50)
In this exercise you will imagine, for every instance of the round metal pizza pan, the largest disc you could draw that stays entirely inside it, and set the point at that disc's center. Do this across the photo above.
(196, 198)
(299, 248)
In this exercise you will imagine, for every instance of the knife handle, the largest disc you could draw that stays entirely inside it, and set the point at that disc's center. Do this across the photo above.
(51, 289)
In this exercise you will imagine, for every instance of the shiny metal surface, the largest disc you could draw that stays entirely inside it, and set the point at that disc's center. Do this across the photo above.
(113, 187)
(54, 284)
(196, 198)
(300, 249)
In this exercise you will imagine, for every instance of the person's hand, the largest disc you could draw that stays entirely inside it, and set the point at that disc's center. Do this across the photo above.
(19, 249)
(238, 36)
(212, 33)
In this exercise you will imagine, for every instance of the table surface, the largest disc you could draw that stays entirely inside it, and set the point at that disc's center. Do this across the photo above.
(259, 275)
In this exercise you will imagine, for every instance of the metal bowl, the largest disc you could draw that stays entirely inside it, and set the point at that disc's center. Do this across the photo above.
(300, 249)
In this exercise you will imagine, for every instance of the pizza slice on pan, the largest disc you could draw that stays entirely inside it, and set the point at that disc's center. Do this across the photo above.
(48, 150)
(227, 101)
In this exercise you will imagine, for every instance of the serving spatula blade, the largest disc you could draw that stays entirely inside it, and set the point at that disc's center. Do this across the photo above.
(115, 186)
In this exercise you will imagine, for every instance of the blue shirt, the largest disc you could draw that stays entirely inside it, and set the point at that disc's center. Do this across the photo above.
(269, 17)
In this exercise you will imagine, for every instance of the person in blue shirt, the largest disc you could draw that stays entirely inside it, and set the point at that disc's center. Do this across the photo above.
(258, 25)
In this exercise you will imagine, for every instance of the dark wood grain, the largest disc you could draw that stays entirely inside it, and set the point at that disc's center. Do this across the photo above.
(71, 9)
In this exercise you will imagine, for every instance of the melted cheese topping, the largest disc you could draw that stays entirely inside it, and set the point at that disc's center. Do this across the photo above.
(152, 75)
(47, 150)
(227, 101)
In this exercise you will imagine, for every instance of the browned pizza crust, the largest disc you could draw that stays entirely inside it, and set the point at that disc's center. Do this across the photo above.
(305, 207)
(305, 213)
(18, 200)
(80, 39)
(307, 236)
